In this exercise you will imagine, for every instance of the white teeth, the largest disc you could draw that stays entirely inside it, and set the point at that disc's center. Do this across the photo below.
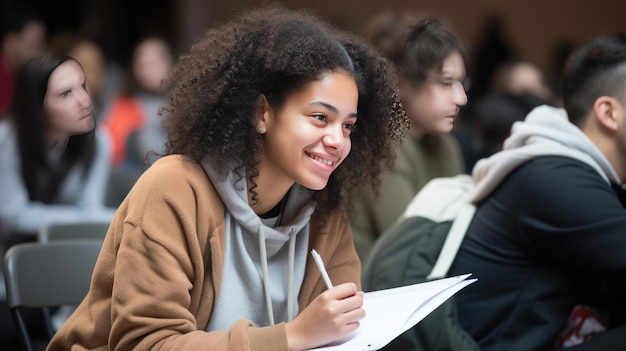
(324, 161)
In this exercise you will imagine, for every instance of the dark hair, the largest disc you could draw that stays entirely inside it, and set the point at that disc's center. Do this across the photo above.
(594, 70)
(384, 29)
(14, 21)
(423, 47)
(28, 115)
(275, 52)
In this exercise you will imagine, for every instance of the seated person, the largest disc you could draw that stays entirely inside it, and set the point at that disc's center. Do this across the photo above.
(211, 248)
(430, 61)
(53, 165)
(548, 237)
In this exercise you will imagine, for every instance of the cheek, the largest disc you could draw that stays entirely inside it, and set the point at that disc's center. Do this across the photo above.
(346, 151)
(52, 113)
(58, 115)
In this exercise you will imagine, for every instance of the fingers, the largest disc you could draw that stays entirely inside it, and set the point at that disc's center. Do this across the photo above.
(342, 291)
(333, 314)
(344, 302)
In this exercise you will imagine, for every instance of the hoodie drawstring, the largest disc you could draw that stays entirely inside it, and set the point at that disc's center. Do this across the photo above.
(292, 259)
(266, 276)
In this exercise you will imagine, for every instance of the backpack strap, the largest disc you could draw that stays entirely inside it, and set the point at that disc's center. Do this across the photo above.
(453, 241)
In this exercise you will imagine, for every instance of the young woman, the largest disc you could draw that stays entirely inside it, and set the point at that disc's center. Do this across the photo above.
(275, 121)
(53, 168)
(430, 61)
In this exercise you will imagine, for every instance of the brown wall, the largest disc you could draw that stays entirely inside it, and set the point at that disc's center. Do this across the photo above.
(533, 27)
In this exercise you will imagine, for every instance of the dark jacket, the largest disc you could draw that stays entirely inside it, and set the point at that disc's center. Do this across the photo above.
(549, 233)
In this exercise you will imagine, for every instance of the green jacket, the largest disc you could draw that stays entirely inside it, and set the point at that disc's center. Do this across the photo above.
(417, 162)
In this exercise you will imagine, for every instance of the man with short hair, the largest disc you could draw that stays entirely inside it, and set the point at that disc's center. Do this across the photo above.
(548, 240)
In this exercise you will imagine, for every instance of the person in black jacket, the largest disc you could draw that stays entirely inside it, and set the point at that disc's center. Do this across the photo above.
(548, 240)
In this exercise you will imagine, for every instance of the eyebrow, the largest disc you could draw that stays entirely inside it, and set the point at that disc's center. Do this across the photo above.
(451, 74)
(332, 108)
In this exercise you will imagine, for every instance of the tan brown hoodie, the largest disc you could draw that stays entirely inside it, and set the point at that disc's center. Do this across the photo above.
(156, 280)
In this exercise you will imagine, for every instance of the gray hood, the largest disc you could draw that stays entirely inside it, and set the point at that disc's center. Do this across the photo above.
(264, 261)
(546, 131)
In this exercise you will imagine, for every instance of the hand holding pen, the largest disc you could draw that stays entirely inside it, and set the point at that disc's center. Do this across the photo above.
(333, 314)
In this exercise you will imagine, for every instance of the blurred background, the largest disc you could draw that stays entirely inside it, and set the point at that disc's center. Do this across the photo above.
(108, 37)
(536, 30)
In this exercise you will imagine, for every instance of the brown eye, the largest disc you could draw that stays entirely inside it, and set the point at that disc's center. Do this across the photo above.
(351, 127)
(319, 117)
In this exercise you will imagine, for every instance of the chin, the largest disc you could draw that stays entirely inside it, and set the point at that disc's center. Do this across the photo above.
(315, 188)
(314, 184)
(446, 128)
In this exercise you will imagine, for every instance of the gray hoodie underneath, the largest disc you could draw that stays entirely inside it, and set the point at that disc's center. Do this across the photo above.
(264, 261)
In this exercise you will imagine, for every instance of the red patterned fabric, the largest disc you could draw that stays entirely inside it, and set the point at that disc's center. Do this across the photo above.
(584, 322)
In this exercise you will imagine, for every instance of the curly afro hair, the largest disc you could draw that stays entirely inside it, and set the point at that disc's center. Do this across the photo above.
(213, 108)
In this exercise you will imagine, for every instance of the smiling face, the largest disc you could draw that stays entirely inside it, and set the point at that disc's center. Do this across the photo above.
(434, 104)
(309, 136)
(67, 104)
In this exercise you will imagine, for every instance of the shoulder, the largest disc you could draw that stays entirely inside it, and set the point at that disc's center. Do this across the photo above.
(8, 140)
(409, 152)
(103, 142)
(557, 171)
(7, 132)
(449, 142)
(557, 182)
(175, 189)
(173, 171)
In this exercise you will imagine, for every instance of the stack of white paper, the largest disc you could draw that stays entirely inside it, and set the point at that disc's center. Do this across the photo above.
(391, 312)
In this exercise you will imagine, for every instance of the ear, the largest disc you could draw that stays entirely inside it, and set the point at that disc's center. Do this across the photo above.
(264, 113)
(609, 112)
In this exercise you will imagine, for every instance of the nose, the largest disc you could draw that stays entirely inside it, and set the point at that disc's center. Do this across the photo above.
(334, 137)
(460, 97)
(83, 98)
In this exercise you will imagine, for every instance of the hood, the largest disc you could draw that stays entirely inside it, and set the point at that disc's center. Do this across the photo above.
(234, 193)
(546, 131)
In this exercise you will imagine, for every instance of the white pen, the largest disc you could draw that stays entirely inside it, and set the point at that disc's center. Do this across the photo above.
(320, 265)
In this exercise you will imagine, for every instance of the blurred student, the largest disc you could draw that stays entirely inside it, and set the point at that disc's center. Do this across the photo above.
(548, 238)
(430, 61)
(53, 166)
(522, 77)
(211, 249)
(22, 37)
(134, 120)
(517, 86)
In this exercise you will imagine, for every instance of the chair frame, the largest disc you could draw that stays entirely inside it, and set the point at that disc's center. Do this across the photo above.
(44, 275)
(79, 230)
